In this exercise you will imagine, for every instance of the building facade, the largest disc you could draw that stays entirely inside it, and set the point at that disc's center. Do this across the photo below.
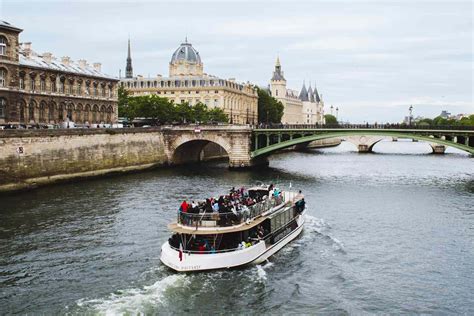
(41, 89)
(305, 107)
(187, 82)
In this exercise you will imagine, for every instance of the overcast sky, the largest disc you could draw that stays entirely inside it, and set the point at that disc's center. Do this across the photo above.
(372, 59)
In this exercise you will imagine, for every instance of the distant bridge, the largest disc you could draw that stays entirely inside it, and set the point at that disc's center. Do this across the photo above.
(267, 140)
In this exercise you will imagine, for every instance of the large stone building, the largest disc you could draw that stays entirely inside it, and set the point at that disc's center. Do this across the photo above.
(40, 89)
(187, 82)
(305, 107)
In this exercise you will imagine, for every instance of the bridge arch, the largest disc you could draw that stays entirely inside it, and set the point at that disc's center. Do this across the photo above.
(197, 150)
(188, 149)
(319, 135)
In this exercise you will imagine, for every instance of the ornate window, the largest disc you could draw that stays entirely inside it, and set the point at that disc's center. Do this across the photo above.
(79, 88)
(69, 109)
(53, 85)
(32, 84)
(61, 86)
(3, 107)
(42, 84)
(79, 113)
(102, 113)
(86, 113)
(88, 88)
(61, 111)
(31, 111)
(3, 78)
(22, 82)
(51, 112)
(3, 45)
(95, 109)
(42, 111)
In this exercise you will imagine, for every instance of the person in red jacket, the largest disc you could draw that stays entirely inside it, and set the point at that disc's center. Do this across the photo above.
(184, 207)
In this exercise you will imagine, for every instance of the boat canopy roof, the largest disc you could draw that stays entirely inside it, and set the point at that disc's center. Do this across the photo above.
(215, 230)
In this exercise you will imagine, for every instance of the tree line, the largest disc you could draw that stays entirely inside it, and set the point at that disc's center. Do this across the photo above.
(163, 111)
(441, 121)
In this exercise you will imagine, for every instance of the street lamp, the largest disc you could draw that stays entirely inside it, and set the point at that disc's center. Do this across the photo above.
(332, 109)
(337, 112)
(410, 115)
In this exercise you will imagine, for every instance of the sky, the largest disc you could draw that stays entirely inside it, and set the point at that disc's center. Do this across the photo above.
(371, 59)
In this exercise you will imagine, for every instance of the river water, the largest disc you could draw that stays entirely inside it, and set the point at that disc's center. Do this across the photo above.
(391, 232)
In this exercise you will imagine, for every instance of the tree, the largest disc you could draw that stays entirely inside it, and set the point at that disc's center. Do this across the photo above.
(218, 115)
(123, 106)
(330, 119)
(200, 113)
(270, 110)
(182, 112)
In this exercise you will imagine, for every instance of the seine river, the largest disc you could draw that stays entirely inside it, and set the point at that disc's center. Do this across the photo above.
(391, 232)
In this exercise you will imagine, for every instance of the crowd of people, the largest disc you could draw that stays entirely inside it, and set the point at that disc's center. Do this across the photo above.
(232, 208)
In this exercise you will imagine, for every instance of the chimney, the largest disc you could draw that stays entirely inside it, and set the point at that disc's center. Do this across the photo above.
(82, 63)
(66, 60)
(97, 67)
(26, 48)
(48, 57)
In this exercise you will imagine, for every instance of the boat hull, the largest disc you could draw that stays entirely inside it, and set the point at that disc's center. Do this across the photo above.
(252, 255)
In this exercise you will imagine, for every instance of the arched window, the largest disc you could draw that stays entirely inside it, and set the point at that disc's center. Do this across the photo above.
(109, 114)
(79, 113)
(95, 109)
(3, 77)
(31, 111)
(3, 107)
(69, 109)
(3, 45)
(22, 112)
(61, 111)
(51, 112)
(102, 113)
(86, 113)
(42, 111)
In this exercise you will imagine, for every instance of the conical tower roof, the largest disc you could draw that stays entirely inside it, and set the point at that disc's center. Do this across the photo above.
(304, 93)
(310, 93)
(316, 95)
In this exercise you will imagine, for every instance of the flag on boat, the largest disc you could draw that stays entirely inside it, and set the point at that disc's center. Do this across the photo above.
(180, 252)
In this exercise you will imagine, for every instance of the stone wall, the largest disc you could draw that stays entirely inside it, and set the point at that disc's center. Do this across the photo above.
(30, 158)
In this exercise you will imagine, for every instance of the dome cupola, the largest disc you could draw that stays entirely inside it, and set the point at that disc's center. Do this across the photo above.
(186, 61)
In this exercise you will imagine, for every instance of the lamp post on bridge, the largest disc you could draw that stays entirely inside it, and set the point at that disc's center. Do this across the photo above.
(337, 112)
(410, 115)
(332, 109)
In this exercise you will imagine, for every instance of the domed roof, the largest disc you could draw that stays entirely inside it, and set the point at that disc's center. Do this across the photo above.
(187, 53)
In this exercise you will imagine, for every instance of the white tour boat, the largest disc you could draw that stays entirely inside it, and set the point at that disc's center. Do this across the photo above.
(241, 228)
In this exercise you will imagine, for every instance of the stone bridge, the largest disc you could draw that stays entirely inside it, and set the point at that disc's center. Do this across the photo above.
(32, 157)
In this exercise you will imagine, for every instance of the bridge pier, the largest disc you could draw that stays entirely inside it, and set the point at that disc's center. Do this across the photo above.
(438, 149)
(364, 144)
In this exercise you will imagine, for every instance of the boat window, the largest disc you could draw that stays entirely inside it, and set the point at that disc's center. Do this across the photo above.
(278, 221)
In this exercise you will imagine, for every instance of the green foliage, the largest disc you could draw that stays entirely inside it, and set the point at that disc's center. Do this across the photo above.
(330, 119)
(441, 121)
(269, 109)
(161, 110)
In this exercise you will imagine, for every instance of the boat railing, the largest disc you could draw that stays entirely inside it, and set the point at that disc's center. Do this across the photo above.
(219, 219)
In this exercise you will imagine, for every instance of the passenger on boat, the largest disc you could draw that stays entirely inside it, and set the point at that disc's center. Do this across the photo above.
(184, 207)
(300, 205)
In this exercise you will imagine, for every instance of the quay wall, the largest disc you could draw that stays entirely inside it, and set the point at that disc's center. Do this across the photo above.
(33, 157)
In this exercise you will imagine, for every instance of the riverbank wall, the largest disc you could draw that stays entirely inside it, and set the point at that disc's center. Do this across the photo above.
(32, 158)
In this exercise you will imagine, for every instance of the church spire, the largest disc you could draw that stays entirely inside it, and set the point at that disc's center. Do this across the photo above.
(278, 74)
(129, 69)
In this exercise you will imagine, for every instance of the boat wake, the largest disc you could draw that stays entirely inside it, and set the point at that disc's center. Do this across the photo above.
(319, 226)
(134, 301)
